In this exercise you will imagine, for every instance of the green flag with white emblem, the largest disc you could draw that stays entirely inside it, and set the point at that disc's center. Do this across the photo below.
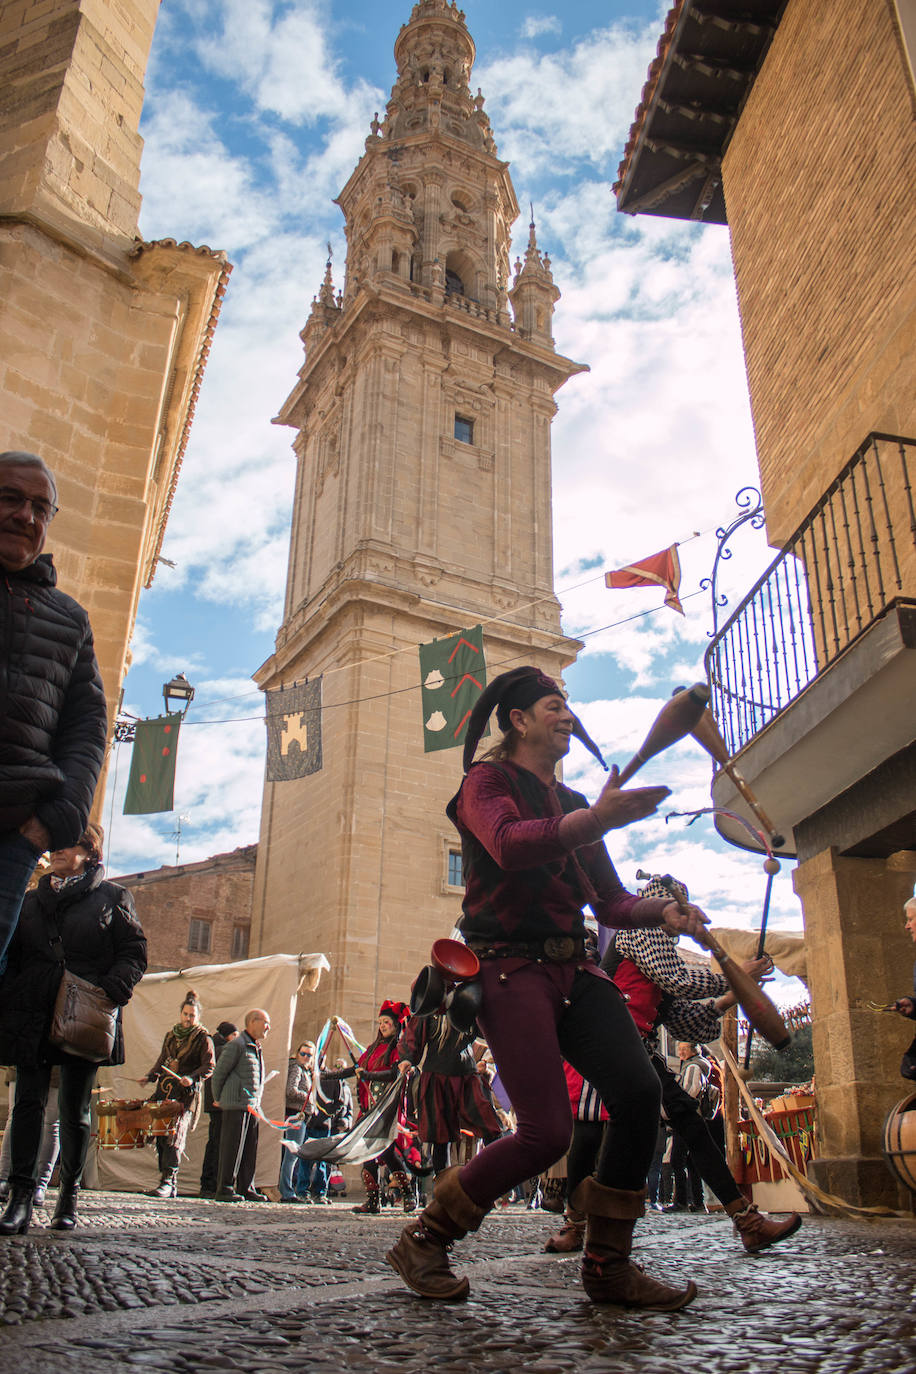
(151, 785)
(453, 674)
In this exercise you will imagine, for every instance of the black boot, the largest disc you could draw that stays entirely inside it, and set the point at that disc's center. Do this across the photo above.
(168, 1185)
(18, 1214)
(64, 1218)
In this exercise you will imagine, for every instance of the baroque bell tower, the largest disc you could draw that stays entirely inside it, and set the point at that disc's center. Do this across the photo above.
(422, 506)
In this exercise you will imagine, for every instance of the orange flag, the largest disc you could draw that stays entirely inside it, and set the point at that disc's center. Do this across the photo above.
(658, 570)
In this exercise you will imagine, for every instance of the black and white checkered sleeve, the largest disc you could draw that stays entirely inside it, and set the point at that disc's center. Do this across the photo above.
(655, 954)
(696, 1022)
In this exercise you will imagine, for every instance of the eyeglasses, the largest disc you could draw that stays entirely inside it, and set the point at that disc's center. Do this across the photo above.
(11, 498)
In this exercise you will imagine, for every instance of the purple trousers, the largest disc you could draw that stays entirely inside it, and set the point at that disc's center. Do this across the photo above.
(535, 1015)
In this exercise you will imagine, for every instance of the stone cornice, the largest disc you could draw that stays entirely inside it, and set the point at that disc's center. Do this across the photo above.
(377, 576)
(406, 299)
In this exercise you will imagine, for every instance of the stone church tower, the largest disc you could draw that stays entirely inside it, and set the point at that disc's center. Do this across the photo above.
(422, 506)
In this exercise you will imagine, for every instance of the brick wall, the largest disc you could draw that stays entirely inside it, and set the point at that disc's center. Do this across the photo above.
(216, 891)
(819, 184)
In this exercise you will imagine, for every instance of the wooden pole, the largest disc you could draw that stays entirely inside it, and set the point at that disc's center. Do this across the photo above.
(729, 1034)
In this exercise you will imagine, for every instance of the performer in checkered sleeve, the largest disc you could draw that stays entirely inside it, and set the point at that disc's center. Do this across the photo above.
(661, 988)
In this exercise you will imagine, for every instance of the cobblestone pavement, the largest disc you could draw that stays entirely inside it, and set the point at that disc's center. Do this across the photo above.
(192, 1286)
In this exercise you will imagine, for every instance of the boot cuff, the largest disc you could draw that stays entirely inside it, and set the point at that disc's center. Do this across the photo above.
(597, 1200)
(450, 1195)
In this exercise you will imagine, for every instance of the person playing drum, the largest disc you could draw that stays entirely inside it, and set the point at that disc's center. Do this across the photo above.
(185, 1061)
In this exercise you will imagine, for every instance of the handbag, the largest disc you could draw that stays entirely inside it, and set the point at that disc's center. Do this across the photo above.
(84, 1020)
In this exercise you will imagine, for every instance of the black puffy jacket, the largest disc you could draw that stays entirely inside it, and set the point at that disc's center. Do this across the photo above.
(103, 943)
(53, 718)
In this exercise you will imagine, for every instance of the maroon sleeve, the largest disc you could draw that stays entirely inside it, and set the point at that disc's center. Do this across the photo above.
(487, 807)
(616, 906)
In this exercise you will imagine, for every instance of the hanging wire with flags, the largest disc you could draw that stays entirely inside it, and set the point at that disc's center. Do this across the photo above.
(658, 570)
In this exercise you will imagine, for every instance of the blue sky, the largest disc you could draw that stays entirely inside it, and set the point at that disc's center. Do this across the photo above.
(255, 115)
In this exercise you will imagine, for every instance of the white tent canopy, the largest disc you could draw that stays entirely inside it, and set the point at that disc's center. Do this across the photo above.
(226, 992)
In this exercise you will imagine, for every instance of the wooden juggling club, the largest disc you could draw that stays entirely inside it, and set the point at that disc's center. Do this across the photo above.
(675, 720)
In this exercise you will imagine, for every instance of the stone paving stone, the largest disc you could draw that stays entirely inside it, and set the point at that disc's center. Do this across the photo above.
(284, 1289)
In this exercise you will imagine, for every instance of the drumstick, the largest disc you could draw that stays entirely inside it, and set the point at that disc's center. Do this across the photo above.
(759, 1009)
(677, 718)
(707, 733)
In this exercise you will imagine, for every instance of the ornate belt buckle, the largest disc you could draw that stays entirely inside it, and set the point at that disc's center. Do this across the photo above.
(559, 948)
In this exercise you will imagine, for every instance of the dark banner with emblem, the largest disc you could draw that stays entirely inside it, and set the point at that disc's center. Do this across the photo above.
(294, 731)
(151, 785)
(453, 674)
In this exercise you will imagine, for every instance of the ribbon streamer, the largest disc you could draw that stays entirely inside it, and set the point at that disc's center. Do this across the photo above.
(372, 1134)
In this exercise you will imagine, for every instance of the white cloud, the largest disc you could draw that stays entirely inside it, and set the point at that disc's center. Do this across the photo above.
(571, 105)
(537, 25)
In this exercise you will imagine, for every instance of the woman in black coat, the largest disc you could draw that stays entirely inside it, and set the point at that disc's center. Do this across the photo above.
(103, 943)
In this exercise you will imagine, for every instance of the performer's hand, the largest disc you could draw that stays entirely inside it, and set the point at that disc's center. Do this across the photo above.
(690, 921)
(617, 807)
(215, 1103)
(905, 1006)
(185, 1082)
(761, 970)
(405, 1067)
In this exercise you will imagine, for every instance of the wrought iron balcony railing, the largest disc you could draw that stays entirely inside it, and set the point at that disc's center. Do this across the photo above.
(851, 559)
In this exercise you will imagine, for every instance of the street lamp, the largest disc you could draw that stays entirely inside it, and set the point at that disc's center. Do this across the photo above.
(177, 695)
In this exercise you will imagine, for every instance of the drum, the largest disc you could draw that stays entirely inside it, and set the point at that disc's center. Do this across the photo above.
(899, 1142)
(164, 1118)
(123, 1124)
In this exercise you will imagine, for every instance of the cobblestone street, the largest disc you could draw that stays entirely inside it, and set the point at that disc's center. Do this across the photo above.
(296, 1288)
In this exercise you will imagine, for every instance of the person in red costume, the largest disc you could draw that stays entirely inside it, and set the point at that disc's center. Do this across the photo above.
(376, 1067)
(533, 858)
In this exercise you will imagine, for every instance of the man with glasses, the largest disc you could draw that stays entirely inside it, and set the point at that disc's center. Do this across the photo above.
(53, 718)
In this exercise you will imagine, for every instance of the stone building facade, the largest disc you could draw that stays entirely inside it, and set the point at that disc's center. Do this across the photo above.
(793, 122)
(103, 337)
(196, 913)
(422, 506)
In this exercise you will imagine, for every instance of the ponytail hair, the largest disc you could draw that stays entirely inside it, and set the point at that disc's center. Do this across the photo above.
(190, 999)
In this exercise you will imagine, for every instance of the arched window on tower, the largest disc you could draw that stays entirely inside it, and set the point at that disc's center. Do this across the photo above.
(454, 286)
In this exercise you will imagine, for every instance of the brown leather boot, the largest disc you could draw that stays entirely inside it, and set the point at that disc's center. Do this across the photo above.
(421, 1253)
(756, 1229)
(571, 1235)
(608, 1274)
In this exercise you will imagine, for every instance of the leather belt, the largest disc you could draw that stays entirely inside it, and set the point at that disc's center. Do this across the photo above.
(556, 949)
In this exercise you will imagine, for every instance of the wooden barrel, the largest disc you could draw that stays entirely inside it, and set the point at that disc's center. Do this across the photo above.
(899, 1142)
